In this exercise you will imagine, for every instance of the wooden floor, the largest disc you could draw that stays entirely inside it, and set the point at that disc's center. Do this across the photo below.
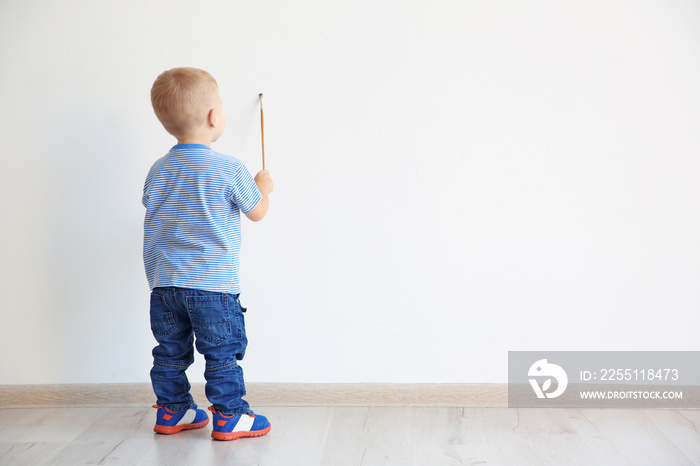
(359, 436)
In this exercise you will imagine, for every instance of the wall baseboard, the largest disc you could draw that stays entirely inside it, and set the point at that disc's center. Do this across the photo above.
(263, 394)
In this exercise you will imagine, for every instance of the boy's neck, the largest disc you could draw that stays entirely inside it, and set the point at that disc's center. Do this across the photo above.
(194, 141)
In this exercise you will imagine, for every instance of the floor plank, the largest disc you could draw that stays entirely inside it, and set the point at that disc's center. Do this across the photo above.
(682, 427)
(630, 435)
(344, 440)
(358, 436)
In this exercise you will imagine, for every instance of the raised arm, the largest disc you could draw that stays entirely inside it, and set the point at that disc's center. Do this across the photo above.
(265, 186)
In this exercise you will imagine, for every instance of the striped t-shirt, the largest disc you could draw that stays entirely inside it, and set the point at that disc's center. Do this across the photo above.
(192, 230)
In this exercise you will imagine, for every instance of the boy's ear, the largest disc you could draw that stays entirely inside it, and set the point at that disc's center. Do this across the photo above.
(211, 117)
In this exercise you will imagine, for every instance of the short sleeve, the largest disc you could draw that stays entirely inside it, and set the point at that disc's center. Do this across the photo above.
(146, 189)
(244, 192)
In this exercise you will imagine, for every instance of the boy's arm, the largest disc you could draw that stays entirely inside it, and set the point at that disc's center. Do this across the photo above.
(265, 186)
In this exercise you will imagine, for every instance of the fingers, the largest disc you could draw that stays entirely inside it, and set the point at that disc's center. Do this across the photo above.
(264, 181)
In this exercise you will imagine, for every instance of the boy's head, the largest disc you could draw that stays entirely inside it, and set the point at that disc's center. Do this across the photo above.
(182, 99)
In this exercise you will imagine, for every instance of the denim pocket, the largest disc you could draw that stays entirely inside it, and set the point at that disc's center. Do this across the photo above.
(162, 320)
(211, 318)
(241, 323)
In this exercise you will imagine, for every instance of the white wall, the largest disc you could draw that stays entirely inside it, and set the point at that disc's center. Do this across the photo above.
(454, 180)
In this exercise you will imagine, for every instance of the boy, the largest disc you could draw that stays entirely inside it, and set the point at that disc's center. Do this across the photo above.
(193, 198)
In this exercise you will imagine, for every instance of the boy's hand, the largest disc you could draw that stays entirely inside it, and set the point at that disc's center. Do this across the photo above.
(264, 182)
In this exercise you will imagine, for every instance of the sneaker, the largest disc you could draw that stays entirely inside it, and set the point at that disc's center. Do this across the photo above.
(238, 425)
(170, 422)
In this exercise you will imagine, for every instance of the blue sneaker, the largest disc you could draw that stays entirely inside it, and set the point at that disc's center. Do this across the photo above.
(238, 425)
(170, 422)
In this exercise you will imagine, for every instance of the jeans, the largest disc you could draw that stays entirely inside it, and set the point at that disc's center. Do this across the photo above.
(216, 320)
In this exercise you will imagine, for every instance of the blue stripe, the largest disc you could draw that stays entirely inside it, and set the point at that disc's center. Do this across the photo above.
(192, 229)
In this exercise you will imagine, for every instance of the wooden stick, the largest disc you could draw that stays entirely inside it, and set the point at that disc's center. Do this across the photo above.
(262, 131)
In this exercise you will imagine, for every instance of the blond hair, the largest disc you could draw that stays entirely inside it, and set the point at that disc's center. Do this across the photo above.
(182, 99)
